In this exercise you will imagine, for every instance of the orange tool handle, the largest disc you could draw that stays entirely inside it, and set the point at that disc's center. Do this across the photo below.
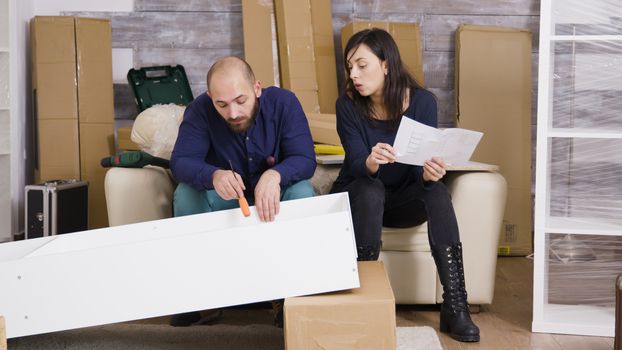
(244, 206)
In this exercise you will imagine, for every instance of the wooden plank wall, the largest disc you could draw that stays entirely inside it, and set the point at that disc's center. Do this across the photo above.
(195, 33)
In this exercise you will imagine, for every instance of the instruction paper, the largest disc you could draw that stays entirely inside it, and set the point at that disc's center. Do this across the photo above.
(416, 142)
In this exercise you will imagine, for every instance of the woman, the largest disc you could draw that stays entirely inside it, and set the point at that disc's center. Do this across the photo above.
(379, 90)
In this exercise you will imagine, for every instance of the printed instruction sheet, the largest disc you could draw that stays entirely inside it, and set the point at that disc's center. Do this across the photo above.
(416, 142)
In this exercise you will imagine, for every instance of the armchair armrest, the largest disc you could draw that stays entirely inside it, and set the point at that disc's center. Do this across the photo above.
(479, 202)
(138, 194)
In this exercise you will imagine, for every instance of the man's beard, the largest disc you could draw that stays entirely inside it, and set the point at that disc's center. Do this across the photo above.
(247, 124)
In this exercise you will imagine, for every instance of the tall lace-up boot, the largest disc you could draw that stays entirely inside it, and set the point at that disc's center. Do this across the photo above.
(455, 317)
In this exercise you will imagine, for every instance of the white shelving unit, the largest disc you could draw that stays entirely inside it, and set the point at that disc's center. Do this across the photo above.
(6, 209)
(578, 205)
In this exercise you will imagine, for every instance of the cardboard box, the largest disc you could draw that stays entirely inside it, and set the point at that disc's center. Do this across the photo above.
(324, 128)
(72, 82)
(124, 140)
(55, 98)
(296, 55)
(96, 142)
(94, 67)
(260, 47)
(407, 36)
(54, 68)
(362, 318)
(324, 54)
(58, 150)
(493, 89)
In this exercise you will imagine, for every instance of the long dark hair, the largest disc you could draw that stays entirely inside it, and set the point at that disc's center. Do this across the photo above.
(397, 81)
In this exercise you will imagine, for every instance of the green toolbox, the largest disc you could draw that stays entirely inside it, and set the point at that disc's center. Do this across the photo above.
(159, 85)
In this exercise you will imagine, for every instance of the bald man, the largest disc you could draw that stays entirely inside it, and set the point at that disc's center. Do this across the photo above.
(239, 139)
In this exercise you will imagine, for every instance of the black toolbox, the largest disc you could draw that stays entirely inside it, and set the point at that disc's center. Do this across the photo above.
(55, 207)
(159, 85)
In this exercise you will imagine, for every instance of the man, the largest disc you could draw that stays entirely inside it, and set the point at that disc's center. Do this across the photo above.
(240, 140)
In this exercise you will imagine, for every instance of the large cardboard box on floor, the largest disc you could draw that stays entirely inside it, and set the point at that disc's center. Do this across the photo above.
(362, 318)
(493, 90)
(72, 85)
(407, 36)
(55, 98)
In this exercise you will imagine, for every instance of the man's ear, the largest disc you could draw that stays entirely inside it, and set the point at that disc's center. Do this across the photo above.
(257, 88)
(208, 94)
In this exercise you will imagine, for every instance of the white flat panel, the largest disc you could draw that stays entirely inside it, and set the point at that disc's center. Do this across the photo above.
(5, 198)
(584, 133)
(4, 24)
(582, 225)
(122, 62)
(586, 17)
(5, 128)
(577, 319)
(176, 265)
(4, 80)
(54, 8)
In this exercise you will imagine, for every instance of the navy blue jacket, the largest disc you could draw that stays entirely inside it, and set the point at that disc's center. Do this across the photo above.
(205, 143)
(358, 135)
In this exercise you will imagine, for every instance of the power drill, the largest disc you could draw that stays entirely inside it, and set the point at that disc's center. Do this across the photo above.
(133, 159)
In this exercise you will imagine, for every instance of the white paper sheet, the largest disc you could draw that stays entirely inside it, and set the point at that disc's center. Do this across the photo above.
(416, 142)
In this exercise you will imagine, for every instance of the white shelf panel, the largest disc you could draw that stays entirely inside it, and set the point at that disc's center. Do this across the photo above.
(576, 319)
(4, 49)
(584, 133)
(586, 38)
(582, 226)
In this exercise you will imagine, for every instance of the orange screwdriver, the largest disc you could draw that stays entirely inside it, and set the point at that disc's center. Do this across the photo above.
(242, 200)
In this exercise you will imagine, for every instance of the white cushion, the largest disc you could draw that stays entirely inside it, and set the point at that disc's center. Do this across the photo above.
(155, 129)
(412, 239)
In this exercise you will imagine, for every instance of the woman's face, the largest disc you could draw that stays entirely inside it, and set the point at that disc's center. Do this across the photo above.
(367, 71)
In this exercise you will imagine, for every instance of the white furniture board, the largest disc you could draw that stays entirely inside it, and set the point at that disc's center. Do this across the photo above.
(176, 265)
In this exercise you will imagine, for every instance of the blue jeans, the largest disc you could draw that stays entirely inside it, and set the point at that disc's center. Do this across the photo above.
(188, 201)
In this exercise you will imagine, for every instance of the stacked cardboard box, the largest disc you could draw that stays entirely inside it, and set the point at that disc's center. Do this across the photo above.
(493, 89)
(306, 60)
(72, 83)
(259, 40)
(296, 55)
(324, 54)
(362, 318)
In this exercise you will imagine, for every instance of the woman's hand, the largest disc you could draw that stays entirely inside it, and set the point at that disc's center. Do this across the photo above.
(381, 153)
(434, 169)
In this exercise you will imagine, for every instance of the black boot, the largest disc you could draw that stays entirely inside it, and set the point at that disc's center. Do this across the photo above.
(368, 252)
(455, 317)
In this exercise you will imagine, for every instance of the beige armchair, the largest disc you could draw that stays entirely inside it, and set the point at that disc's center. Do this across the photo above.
(136, 195)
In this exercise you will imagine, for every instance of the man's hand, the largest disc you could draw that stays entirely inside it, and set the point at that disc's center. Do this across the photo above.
(268, 195)
(381, 153)
(434, 169)
(228, 184)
